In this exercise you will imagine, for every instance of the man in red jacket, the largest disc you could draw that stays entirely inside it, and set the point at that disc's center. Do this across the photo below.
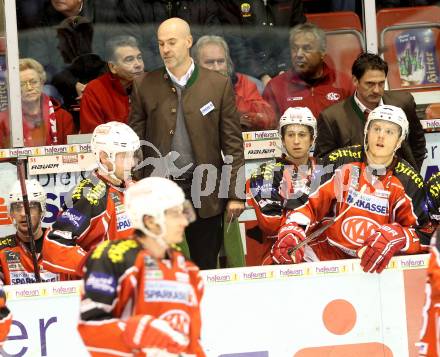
(311, 82)
(212, 52)
(106, 98)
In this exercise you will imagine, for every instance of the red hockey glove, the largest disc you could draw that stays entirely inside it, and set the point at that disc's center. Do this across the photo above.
(144, 331)
(289, 236)
(381, 246)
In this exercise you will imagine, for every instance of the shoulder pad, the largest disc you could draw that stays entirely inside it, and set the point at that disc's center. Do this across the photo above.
(8, 241)
(117, 251)
(344, 155)
(405, 172)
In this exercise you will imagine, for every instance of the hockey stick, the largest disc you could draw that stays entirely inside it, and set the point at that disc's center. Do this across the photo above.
(27, 211)
(324, 227)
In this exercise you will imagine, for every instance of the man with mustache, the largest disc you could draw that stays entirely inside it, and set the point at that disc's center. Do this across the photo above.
(106, 98)
(342, 124)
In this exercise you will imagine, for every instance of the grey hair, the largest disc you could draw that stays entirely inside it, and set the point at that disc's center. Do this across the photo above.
(30, 63)
(308, 27)
(216, 40)
(119, 41)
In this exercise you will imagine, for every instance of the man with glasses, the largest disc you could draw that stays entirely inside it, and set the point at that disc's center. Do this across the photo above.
(16, 261)
(342, 124)
(311, 82)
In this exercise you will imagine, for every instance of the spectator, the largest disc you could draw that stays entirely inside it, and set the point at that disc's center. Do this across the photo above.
(75, 35)
(95, 210)
(106, 98)
(273, 187)
(342, 124)
(264, 32)
(311, 82)
(44, 121)
(212, 52)
(121, 297)
(192, 111)
(56, 11)
(16, 257)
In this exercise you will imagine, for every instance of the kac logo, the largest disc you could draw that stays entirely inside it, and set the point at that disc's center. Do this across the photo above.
(358, 228)
(333, 96)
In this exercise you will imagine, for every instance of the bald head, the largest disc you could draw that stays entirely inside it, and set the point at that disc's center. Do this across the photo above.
(174, 25)
(175, 40)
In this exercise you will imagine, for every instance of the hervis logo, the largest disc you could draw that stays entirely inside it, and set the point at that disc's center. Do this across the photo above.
(358, 228)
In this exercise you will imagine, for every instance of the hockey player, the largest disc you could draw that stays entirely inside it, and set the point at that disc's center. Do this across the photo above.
(277, 185)
(429, 344)
(141, 296)
(16, 260)
(96, 211)
(374, 199)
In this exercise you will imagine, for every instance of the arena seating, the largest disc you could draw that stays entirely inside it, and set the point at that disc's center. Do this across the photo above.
(345, 39)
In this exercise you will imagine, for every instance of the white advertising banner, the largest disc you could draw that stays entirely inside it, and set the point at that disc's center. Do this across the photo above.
(306, 310)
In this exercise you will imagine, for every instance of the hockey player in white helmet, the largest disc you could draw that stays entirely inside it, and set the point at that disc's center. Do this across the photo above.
(369, 202)
(16, 257)
(124, 278)
(278, 185)
(95, 211)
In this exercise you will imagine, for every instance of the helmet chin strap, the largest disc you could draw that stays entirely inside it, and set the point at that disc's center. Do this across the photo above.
(159, 238)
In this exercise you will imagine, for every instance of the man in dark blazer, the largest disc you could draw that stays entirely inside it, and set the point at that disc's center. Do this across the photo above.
(342, 124)
(188, 116)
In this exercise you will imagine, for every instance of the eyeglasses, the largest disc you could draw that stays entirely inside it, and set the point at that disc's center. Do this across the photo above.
(31, 83)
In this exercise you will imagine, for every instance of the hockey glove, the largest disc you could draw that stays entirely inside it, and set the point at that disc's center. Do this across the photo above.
(289, 236)
(381, 246)
(144, 331)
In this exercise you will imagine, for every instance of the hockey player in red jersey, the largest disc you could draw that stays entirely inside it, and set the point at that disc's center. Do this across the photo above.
(374, 199)
(429, 345)
(5, 317)
(96, 211)
(274, 186)
(141, 297)
(16, 259)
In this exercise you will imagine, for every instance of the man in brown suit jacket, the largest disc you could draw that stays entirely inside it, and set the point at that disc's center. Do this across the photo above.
(342, 124)
(188, 116)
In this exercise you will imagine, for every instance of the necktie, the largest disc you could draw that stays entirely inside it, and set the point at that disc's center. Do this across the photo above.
(366, 112)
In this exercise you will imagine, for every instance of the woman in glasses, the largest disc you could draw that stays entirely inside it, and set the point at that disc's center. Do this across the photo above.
(44, 121)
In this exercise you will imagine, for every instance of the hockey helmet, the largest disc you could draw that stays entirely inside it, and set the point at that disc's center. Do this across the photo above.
(298, 115)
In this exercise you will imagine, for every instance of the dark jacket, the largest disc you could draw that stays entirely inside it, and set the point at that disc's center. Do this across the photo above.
(153, 117)
(94, 10)
(264, 32)
(343, 124)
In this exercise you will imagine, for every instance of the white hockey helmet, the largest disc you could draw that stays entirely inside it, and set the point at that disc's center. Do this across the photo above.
(35, 193)
(389, 113)
(152, 196)
(112, 138)
(298, 115)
